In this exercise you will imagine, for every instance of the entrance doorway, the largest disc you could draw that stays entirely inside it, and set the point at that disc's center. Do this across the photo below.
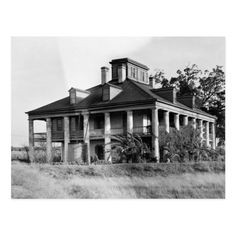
(99, 150)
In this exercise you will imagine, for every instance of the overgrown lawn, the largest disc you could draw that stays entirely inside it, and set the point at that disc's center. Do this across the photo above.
(195, 180)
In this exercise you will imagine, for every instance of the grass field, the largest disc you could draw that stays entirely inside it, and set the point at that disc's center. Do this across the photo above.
(196, 180)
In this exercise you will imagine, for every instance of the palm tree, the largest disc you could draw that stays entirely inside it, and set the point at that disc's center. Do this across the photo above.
(130, 146)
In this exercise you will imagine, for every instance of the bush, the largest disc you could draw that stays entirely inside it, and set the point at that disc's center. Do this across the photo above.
(184, 145)
(130, 148)
(40, 156)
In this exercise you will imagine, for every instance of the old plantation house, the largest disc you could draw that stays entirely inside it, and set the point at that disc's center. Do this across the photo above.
(85, 121)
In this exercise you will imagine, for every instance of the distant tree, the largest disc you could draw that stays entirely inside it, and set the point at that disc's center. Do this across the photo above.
(161, 79)
(207, 86)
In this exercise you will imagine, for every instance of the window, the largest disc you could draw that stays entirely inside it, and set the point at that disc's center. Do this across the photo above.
(133, 72)
(73, 124)
(98, 122)
(59, 125)
(81, 123)
(54, 125)
(136, 72)
(114, 72)
(142, 76)
(76, 123)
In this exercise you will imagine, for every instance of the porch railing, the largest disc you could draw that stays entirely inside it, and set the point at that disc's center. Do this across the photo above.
(142, 130)
(40, 137)
(76, 134)
(115, 131)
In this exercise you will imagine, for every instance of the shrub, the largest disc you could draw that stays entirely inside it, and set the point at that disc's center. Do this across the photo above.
(130, 148)
(184, 145)
(40, 155)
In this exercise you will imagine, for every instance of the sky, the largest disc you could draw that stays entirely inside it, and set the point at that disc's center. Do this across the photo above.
(43, 69)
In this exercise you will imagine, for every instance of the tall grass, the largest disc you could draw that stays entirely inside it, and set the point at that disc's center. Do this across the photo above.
(118, 181)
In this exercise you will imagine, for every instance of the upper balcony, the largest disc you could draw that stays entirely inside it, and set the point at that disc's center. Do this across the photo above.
(58, 136)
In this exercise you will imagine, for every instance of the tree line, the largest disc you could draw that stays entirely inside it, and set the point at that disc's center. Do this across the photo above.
(207, 86)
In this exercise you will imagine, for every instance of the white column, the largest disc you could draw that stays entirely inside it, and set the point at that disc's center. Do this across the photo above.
(194, 123)
(49, 139)
(155, 134)
(31, 140)
(201, 129)
(130, 121)
(213, 135)
(176, 120)
(66, 138)
(107, 130)
(207, 134)
(86, 136)
(167, 121)
(185, 120)
(62, 151)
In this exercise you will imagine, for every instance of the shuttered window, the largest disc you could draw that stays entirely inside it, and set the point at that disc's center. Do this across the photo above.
(59, 125)
(73, 123)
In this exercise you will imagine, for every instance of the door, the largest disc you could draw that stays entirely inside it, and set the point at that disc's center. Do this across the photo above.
(99, 150)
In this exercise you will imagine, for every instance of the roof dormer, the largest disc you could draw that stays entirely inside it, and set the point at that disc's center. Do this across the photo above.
(109, 91)
(76, 95)
(166, 93)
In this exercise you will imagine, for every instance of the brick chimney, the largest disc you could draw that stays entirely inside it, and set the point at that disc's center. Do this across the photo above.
(152, 82)
(104, 75)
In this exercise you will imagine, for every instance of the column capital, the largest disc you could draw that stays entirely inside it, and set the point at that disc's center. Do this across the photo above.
(176, 115)
(156, 106)
(84, 113)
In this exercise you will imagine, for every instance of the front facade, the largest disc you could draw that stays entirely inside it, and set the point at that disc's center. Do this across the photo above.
(85, 121)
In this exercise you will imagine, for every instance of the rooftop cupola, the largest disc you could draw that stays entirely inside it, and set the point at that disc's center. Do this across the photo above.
(127, 68)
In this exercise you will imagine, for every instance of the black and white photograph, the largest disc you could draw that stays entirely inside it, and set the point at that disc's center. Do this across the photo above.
(118, 117)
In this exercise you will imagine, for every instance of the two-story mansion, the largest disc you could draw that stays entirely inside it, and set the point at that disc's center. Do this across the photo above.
(130, 101)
